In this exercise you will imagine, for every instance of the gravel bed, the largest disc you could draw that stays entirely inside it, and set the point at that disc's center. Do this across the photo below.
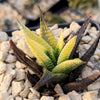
(14, 84)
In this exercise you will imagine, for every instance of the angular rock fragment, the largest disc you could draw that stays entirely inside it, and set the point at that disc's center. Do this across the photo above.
(3, 67)
(17, 87)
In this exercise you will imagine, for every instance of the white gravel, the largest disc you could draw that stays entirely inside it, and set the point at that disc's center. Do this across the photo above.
(14, 84)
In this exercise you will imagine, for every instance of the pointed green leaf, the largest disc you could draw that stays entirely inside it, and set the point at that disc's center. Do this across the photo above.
(44, 45)
(40, 55)
(46, 34)
(28, 33)
(67, 66)
(59, 45)
(65, 53)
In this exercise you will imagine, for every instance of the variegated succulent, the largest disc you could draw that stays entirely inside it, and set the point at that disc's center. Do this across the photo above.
(56, 57)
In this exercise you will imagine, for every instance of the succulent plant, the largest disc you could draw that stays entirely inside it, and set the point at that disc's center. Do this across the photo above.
(57, 59)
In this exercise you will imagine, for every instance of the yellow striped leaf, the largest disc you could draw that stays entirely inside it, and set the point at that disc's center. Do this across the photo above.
(46, 34)
(28, 33)
(67, 66)
(40, 55)
(66, 51)
(59, 46)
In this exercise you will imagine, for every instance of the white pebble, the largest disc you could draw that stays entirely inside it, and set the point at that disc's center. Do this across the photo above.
(3, 36)
(5, 47)
(11, 51)
(18, 98)
(38, 31)
(10, 90)
(86, 39)
(58, 89)
(32, 97)
(20, 75)
(1, 78)
(3, 55)
(96, 57)
(6, 82)
(17, 87)
(56, 32)
(25, 99)
(11, 97)
(64, 97)
(47, 98)
(92, 95)
(20, 65)
(34, 92)
(93, 30)
(96, 71)
(86, 72)
(27, 83)
(17, 32)
(90, 64)
(3, 67)
(4, 96)
(66, 32)
(25, 92)
(10, 69)
(28, 69)
(10, 58)
(74, 95)
(54, 27)
(12, 65)
(81, 52)
(86, 46)
(97, 52)
(94, 86)
(74, 27)
(93, 36)
(15, 38)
